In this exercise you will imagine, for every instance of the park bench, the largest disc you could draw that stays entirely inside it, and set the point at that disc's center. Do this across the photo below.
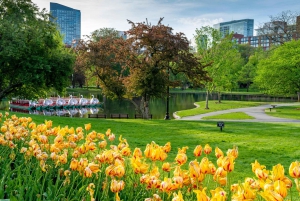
(119, 116)
(139, 116)
(97, 116)
(272, 107)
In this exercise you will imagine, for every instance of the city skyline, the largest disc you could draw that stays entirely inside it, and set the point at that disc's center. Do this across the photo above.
(182, 15)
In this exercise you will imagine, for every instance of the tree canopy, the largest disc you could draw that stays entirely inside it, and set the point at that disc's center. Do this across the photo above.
(223, 53)
(279, 73)
(33, 58)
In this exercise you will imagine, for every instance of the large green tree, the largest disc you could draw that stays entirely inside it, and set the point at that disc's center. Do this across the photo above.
(279, 73)
(33, 58)
(225, 60)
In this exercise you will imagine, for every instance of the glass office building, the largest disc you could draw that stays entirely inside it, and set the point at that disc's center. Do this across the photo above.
(244, 27)
(69, 22)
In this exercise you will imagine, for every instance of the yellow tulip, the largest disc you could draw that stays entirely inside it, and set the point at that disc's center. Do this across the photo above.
(271, 195)
(126, 151)
(87, 172)
(280, 188)
(166, 167)
(198, 151)
(218, 152)
(3, 129)
(102, 144)
(48, 124)
(177, 197)
(94, 167)
(228, 163)
(73, 164)
(207, 149)
(167, 185)
(167, 147)
(112, 137)
(256, 165)
(218, 194)
(137, 153)
(233, 152)
(277, 172)
(117, 186)
(181, 158)
(90, 189)
(294, 169)
(87, 126)
(262, 174)
(201, 195)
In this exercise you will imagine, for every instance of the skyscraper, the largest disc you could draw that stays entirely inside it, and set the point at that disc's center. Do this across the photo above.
(68, 20)
(244, 27)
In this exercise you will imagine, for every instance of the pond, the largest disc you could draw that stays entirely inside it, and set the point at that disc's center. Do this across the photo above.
(177, 101)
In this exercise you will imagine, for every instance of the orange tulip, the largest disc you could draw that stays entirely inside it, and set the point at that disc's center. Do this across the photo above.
(218, 152)
(166, 167)
(228, 163)
(126, 151)
(167, 147)
(87, 126)
(207, 149)
(198, 151)
(117, 186)
(102, 144)
(87, 172)
(137, 153)
(181, 158)
(73, 164)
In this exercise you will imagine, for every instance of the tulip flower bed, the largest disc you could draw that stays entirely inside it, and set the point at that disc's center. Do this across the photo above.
(43, 162)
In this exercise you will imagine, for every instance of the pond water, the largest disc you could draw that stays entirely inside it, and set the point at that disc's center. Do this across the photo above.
(177, 101)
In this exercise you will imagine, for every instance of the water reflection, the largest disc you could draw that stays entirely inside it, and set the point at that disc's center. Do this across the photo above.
(178, 101)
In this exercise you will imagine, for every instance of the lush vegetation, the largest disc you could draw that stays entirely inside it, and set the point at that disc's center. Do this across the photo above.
(33, 58)
(55, 160)
(216, 106)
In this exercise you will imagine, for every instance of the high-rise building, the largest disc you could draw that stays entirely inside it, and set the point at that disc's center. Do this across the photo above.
(68, 21)
(244, 27)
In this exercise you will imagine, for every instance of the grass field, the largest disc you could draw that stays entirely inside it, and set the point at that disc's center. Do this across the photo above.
(290, 112)
(269, 143)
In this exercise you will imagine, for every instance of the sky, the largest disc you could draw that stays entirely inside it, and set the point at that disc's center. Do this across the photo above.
(182, 15)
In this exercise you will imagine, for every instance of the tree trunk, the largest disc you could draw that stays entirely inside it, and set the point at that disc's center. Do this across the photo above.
(298, 93)
(219, 97)
(144, 107)
(248, 84)
(206, 102)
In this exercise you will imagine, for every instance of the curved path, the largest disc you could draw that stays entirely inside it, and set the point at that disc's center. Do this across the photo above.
(257, 112)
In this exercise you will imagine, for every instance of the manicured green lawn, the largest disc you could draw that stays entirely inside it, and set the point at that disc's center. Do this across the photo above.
(290, 112)
(269, 143)
(215, 106)
(233, 115)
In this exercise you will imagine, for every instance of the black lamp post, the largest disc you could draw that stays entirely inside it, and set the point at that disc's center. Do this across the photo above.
(167, 117)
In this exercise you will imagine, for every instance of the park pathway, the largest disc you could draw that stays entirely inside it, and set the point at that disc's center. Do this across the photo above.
(257, 112)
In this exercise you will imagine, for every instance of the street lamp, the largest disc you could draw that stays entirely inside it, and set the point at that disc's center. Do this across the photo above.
(167, 117)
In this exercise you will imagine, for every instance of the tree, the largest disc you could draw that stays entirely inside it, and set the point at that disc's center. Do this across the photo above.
(279, 73)
(102, 57)
(103, 33)
(155, 53)
(33, 59)
(281, 28)
(248, 71)
(224, 56)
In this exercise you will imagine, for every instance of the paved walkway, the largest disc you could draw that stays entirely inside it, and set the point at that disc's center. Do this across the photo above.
(257, 112)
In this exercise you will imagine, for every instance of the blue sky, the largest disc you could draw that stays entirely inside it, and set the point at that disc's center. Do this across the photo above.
(183, 15)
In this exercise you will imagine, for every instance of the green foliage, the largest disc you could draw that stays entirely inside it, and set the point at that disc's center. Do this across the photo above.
(279, 73)
(224, 56)
(32, 55)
